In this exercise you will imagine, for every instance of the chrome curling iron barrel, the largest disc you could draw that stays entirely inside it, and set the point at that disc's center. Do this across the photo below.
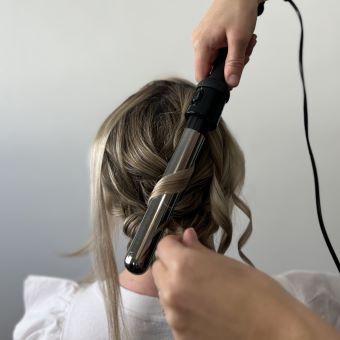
(203, 115)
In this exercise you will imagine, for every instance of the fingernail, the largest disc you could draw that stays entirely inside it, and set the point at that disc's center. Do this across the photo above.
(233, 80)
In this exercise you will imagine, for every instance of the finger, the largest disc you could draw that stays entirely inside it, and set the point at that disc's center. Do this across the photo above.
(169, 248)
(235, 60)
(190, 238)
(204, 58)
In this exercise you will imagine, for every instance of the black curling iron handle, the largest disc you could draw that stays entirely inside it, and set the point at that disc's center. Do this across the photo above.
(209, 98)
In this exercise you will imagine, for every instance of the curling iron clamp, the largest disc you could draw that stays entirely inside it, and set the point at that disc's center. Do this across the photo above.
(203, 115)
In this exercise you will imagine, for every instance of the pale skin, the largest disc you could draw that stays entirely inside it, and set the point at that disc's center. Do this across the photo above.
(227, 23)
(141, 284)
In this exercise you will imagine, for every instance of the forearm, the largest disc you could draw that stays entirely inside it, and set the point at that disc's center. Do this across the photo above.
(300, 323)
(276, 314)
(313, 327)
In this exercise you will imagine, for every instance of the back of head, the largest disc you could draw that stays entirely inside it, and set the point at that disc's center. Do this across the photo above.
(129, 156)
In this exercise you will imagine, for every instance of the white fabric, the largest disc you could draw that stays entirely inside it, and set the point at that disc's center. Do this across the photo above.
(61, 309)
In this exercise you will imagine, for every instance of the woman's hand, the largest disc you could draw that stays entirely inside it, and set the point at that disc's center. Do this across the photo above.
(227, 23)
(209, 296)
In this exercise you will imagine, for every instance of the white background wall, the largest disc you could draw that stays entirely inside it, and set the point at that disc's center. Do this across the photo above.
(65, 65)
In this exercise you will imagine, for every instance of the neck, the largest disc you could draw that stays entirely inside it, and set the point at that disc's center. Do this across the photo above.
(141, 284)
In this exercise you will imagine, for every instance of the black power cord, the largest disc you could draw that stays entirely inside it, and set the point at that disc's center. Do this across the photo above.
(305, 116)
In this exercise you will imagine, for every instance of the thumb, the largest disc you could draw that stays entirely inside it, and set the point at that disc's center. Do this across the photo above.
(190, 239)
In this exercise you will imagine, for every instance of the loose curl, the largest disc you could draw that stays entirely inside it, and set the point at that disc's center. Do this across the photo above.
(128, 159)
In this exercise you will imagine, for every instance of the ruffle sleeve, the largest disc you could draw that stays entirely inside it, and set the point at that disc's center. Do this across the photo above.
(47, 304)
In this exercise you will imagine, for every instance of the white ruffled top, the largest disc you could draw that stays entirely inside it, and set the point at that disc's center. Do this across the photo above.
(59, 309)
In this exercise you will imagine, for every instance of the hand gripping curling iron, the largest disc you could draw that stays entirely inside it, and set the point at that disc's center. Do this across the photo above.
(202, 115)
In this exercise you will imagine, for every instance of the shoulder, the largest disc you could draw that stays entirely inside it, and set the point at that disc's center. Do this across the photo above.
(47, 301)
(319, 291)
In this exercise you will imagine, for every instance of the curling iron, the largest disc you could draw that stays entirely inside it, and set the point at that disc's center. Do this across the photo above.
(203, 115)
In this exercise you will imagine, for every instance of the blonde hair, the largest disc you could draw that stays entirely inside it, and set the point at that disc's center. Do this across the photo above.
(128, 158)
